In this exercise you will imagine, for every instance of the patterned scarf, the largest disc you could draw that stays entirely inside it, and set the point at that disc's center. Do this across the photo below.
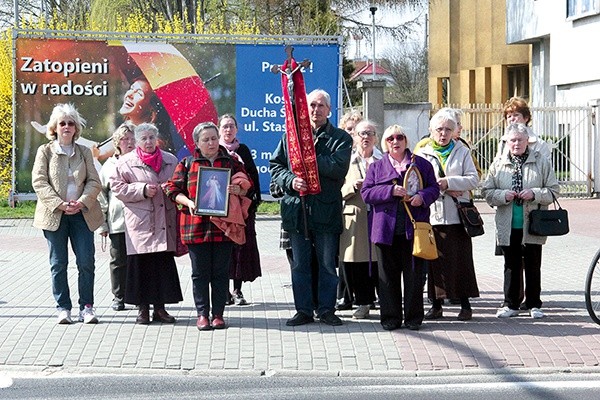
(517, 178)
(153, 160)
(443, 151)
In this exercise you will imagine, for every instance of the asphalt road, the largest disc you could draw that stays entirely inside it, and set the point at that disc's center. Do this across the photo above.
(198, 386)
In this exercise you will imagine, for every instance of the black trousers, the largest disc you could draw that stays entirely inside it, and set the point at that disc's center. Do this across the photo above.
(118, 265)
(210, 276)
(528, 256)
(395, 263)
(360, 281)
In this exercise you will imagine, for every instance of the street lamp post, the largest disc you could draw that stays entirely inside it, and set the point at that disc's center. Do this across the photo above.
(16, 11)
(373, 9)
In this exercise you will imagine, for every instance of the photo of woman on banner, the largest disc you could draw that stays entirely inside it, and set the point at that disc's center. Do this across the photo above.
(141, 105)
(169, 83)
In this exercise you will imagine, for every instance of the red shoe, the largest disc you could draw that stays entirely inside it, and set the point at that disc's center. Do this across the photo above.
(217, 322)
(203, 323)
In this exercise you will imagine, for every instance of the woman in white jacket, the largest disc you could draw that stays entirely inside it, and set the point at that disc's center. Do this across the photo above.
(452, 275)
(519, 181)
(114, 219)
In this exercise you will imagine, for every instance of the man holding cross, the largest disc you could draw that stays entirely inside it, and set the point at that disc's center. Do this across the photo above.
(321, 224)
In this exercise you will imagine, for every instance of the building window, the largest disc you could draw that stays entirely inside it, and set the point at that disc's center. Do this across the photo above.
(443, 90)
(518, 81)
(582, 8)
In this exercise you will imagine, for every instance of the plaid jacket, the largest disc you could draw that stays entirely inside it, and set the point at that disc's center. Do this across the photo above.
(198, 229)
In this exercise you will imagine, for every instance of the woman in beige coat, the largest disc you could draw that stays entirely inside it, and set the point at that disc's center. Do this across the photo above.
(355, 247)
(519, 181)
(67, 185)
(150, 226)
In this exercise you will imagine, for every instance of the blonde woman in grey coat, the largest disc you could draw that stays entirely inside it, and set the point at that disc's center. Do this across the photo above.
(517, 182)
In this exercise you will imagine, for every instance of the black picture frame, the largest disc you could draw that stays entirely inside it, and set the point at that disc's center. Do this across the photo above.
(212, 197)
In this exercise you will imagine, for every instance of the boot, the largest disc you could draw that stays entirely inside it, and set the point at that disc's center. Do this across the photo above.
(161, 315)
(143, 317)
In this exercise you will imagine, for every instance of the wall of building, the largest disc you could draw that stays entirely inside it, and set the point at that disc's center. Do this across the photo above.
(467, 44)
(565, 58)
(413, 117)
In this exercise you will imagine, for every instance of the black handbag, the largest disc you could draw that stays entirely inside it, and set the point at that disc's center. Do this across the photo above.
(549, 222)
(470, 217)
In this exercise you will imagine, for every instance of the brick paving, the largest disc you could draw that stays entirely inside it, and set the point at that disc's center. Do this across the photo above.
(257, 340)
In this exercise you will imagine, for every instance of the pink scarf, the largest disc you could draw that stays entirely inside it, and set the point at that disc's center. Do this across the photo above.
(153, 160)
(401, 166)
(231, 148)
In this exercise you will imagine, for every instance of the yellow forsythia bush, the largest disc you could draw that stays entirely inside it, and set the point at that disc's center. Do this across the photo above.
(6, 110)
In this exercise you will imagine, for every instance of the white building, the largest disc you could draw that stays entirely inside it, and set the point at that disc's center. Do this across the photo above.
(565, 57)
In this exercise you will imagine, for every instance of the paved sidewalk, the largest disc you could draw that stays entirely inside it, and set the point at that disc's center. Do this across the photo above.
(257, 340)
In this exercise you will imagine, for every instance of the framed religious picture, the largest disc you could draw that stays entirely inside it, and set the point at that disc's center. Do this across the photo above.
(413, 181)
(212, 197)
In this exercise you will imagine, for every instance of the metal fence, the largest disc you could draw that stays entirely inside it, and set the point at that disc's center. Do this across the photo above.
(570, 131)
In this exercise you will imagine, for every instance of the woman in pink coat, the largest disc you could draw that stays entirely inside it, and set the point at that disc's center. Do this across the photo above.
(150, 226)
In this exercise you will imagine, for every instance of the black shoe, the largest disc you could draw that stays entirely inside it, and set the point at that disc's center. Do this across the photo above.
(161, 315)
(391, 325)
(342, 305)
(299, 319)
(412, 326)
(442, 301)
(330, 318)
(434, 313)
(465, 315)
(118, 305)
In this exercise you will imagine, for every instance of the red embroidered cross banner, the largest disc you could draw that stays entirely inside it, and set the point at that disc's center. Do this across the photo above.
(301, 145)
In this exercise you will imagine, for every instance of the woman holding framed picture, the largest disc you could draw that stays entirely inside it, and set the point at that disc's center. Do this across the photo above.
(211, 168)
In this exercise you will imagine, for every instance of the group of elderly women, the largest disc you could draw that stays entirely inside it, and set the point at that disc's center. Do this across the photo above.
(140, 186)
(520, 179)
(138, 189)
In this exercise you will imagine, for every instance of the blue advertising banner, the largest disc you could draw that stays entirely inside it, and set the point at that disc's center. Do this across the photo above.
(259, 101)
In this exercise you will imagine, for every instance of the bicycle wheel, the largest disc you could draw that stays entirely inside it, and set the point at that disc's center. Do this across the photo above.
(592, 289)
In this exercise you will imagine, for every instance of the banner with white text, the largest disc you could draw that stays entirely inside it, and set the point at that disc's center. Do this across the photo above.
(174, 85)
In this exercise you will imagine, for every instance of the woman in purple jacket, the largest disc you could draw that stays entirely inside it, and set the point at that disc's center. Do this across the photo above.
(392, 230)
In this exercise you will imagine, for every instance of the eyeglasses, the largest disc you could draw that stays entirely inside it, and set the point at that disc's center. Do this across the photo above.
(397, 137)
(64, 123)
(366, 133)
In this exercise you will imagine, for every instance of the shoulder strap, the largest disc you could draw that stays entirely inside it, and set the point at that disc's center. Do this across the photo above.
(408, 212)
(187, 162)
(440, 168)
